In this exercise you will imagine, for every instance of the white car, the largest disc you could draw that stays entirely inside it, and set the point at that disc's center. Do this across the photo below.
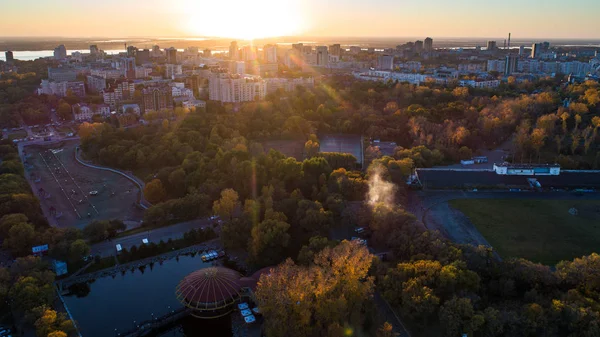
(92, 193)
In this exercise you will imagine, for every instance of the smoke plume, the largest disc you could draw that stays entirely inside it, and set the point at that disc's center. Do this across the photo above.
(380, 191)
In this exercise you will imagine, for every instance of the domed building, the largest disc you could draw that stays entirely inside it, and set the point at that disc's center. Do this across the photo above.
(210, 292)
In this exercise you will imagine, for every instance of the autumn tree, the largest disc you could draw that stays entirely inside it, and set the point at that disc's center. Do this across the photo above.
(320, 298)
(154, 191)
(227, 205)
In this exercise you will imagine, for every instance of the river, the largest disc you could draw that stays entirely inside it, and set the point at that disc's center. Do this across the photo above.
(110, 305)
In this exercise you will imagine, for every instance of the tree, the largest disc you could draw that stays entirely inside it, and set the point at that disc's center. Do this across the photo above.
(317, 299)
(21, 237)
(538, 139)
(386, 330)
(64, 111)
(79, 248)
(154, 191)
(227, 205)
(268, 241)
(57, 334)
(457, 316)
(96, 231)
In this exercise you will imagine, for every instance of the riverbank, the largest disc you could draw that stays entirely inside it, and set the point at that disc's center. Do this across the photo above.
(130, 266)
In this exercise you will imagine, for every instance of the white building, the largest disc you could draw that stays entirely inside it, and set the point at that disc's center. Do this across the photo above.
(194, 104)
(229, 88)
(238, 67)
(60, 89)
(322, 56)
(496, 65)
(142, 72)
(385, 62)
(96, 83)
(288, 84)
(133, 108)
(527, 169)
(479, 84)
(377, 75)
(270, 53)
(173, 69)
(108, 73)
(177, 91)
(84, 112)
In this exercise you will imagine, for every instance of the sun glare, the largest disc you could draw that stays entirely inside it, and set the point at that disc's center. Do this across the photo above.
(242, 19)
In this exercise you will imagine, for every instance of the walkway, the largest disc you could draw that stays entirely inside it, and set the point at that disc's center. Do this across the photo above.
(140, 183)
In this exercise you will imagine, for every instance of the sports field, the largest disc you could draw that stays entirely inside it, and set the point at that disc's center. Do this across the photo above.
(539, 230)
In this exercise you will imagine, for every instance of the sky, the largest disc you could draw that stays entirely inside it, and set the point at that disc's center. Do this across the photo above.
(332, 18)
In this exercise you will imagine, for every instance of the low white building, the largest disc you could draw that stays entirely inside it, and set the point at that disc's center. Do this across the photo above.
(527, 169)
(479, 84)
(84, 112)
(194, 103)
(132, 108)
(288, 84)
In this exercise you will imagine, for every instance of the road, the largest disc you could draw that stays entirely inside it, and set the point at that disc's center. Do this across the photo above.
(173, 232)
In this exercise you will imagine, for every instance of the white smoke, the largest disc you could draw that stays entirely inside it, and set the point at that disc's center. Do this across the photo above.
(380, 191)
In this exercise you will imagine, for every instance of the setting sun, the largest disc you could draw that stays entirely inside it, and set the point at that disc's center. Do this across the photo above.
(244, 19)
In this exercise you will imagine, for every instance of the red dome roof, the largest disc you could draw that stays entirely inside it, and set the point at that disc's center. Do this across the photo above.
(209, 288)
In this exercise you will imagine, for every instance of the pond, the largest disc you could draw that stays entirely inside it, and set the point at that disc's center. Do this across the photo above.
(109, 305)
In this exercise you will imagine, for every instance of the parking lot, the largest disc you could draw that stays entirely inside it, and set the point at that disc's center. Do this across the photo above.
(74, 195)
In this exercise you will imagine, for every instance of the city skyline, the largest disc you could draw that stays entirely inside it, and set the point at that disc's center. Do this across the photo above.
(269, 18)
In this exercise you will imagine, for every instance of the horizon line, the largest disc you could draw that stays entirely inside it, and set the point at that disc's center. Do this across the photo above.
(288, 36)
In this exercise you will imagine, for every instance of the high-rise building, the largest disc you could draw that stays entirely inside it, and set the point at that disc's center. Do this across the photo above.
(322, 56)
(94, 49)
(130, 67)
(238, 67)
(173, 69)
(335, 50)
(131, 51)
(207, 53)
(60, 52)
(234, 53)
(248, 53)
(521, 50)
(156, 52)
(228, 88)
(491, 45)
(385, 62)
(9, 56)
(510, 65)
(142, 56)
(536, 50)
(156, 99)
(418, 46)
(270, 53)
(171, 55)
(428, 45)
(299, 47)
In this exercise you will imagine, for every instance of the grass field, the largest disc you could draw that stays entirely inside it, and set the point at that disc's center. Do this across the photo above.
(539, 230)
(17, 135)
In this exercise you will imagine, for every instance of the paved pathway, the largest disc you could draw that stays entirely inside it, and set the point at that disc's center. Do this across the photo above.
(172, 232)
